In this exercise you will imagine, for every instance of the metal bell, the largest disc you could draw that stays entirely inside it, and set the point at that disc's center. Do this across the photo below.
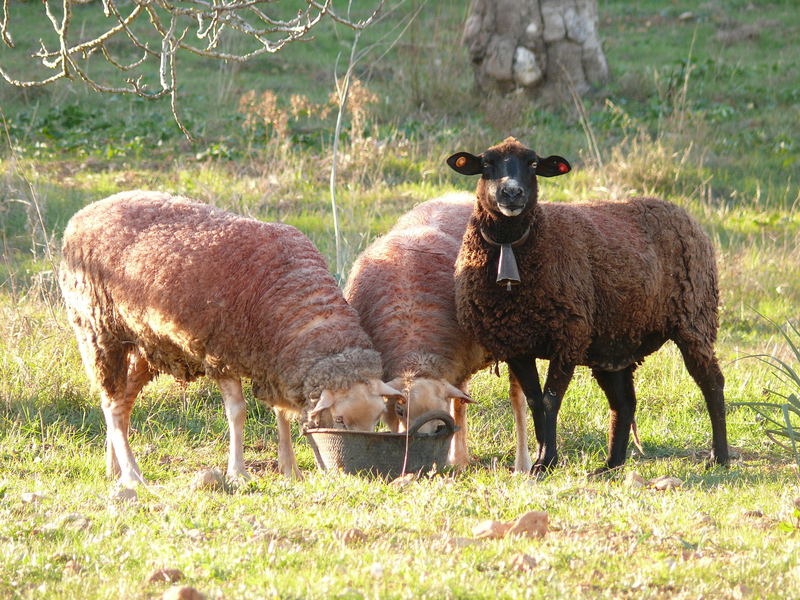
(507, 272)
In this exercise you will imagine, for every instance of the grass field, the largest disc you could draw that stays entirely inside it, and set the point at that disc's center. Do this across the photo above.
(702, 110)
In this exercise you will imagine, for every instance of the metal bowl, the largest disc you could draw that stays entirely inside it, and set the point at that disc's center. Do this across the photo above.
(389, 455)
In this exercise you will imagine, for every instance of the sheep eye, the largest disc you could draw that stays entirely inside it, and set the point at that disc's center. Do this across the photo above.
(339, 420)
(534, 163)
(400, 410)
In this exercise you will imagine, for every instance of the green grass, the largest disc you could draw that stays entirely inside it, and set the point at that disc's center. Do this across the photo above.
(727, 151)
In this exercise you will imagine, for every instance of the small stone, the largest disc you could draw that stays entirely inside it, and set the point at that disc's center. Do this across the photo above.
(182, 592)
(532, 524)
(124, 494)
(523, 562)
(353, 536)
(492, 530)
(168, 575)
(404, 480)
(456, 543)
(634, 480)
(740, 591)
(31, 497)
(376, 570)
(210, 479)
(686, 16)
(665, 482)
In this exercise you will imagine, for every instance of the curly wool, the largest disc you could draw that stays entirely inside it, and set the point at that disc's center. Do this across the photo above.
(603, 284)
(197, 290)
(403, 290)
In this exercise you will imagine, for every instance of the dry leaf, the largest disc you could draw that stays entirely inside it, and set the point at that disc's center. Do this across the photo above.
(665, 482)
(73, 567)
(211, 479)
(522, 562)
(753, 514)
(353, 536)
(635, 480)
(531, 524)
(124, 495)
(490, 529)
(168, 575)
(182, 592)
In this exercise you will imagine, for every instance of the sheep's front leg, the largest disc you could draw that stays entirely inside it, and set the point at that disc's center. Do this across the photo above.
(458, 447)
(236, 411)
(522, 457)
(558, 378)
(287, 464)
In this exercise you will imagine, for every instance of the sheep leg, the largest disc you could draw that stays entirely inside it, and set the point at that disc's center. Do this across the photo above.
(236, 411)
(287, 464)
(555, 386)
(523, 369)
(118, 417)
(709, 378)
(522, 458)
(618, 388)
(458, 447)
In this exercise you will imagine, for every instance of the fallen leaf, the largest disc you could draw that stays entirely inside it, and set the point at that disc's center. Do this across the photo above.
(211, 479)
(73, 567)
(665, 482)
(531, 524)
(168, 575)
(522, 562)
(353, 536)
(490, 529)
(753, 514)
(182, 592)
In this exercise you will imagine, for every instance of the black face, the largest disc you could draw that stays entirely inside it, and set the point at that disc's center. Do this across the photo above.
(508, 175)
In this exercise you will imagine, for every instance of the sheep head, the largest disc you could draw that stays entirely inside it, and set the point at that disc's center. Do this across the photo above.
(422, 394)
(508, 172)
(358, 407)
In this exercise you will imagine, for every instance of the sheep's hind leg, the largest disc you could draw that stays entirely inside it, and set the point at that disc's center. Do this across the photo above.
(618, 388)
(117, 413)
(287, 464)
(236, 411)
(706, 372)
(522, 457)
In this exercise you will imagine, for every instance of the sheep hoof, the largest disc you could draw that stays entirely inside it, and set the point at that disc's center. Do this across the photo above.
(542, 470)
(714, 461)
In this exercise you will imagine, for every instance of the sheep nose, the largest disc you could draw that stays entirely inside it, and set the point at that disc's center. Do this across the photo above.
(511, 194)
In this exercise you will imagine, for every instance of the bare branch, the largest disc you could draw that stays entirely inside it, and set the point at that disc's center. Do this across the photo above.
(162, 35)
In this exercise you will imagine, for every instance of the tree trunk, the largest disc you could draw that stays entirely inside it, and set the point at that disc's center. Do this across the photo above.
(545, 47)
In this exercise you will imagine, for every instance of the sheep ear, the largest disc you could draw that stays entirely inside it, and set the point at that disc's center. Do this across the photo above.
(384, 389)
(552, 166)
(454, 392)
(465, 163)
(326, 400)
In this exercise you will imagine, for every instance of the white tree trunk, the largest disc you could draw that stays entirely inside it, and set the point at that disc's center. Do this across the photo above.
(545, 47)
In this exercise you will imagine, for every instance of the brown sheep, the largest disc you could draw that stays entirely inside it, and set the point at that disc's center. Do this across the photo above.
(601, 285)
(155, 283)
(402, 288)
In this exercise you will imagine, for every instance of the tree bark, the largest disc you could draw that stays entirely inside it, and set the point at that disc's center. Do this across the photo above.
(545, 47)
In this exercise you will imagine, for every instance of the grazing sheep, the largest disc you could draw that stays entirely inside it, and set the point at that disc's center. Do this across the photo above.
(155, 283)
(402, 288)
(601, 285)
